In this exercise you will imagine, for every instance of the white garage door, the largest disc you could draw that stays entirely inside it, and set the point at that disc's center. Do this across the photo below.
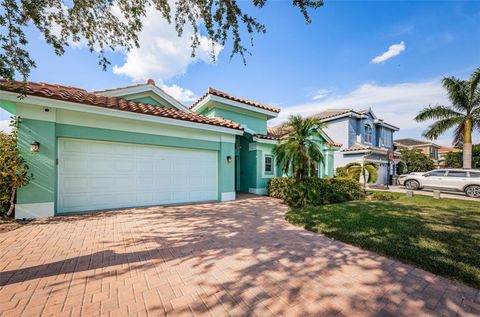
(102, 175)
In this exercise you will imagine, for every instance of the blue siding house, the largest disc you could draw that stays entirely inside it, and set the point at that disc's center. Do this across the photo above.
(363, 136)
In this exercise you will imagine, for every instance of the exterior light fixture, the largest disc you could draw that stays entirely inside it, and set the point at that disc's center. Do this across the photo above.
(229, 159)
(34, 146)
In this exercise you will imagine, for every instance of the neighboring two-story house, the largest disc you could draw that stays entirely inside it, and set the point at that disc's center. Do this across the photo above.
(364, 137)
(426, 147)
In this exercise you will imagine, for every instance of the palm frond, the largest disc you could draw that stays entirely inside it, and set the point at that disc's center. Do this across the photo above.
(474, 84)
(440, 127)
(458, 93)
(437, 112)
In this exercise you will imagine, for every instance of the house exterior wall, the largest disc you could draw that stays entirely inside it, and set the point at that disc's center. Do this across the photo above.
(254, 121)
(39, 198)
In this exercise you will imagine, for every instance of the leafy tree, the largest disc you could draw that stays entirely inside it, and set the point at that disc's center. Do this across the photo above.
(463, 114)
(401, 168)
(301, 148)
(357, 170)
(454, 159)
(416, 161)
(13, 170)
(107, 24)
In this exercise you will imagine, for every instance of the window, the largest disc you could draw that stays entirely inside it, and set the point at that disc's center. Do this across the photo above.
(457, 174)
(268, 164)
(435, 173)
(475, 174)
(368, 133)
(433, 153)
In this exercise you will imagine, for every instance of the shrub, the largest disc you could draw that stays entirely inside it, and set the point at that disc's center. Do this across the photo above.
(13, 170)
(279, 187)
(350, 187)
(384, 196)
(314, 191)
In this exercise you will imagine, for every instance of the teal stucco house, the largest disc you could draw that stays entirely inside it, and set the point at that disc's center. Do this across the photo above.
(138, 146)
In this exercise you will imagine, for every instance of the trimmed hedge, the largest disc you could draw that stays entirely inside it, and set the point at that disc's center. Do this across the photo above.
(314, 191)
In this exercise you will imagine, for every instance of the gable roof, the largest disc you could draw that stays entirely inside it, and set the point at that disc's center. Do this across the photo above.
(281, 131)
(219, 93)
(410, 142)
(149, 85)
(332, 114)
(81, 96)
(447, 149)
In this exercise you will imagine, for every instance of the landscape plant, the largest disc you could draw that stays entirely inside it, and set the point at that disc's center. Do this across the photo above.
(463, 115)
(416, 161)
(13, 170)
(455, 159)
(301, 149)
(367, 171)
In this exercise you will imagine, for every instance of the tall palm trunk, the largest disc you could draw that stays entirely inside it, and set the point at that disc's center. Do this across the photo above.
(467, 145)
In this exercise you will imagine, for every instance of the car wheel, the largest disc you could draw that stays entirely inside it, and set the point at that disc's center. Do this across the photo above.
(412, 184)
(473, 191)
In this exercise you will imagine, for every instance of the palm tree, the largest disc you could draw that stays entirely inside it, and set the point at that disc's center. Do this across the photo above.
(463, 114)
(364, 170)
(301, 147)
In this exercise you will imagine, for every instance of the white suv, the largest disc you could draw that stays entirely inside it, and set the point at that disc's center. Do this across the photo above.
(467, 181)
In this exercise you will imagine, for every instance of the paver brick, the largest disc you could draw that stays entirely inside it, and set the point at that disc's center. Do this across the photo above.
(237, 258)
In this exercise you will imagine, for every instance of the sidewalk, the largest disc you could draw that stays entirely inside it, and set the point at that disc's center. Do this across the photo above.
(428, 192)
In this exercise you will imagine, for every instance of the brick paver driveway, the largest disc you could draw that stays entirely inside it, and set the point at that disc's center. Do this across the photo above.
(238, 258)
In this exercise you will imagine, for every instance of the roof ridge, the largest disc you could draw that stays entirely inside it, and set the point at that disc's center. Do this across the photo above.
(220, 93)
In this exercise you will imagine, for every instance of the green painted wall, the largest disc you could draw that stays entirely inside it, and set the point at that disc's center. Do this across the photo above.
(43, 163)
(148, 100)
(255, 121)
(42, 187)
(72, 131)
(226, 182)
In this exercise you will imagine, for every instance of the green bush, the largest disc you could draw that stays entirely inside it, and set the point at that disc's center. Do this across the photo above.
(314, 191)
(279, 187)
(384, 196)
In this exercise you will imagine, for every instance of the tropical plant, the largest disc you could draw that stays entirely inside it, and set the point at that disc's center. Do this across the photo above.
(455, 159)
(300, 150)
(367, 171)
(105, 25)
(416, 161)
(463, 114)
(13, 170)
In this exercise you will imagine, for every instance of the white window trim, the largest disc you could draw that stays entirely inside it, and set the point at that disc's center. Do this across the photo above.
(274, 168)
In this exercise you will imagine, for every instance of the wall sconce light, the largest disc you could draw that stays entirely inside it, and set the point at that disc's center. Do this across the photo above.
(34, 146)
(229, 159)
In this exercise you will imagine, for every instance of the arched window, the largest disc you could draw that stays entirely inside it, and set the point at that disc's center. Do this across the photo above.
(368, 133)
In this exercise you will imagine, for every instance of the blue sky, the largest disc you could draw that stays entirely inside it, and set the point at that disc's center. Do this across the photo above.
(303, 68)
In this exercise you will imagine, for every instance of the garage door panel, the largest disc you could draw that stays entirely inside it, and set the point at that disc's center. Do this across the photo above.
(102, 175)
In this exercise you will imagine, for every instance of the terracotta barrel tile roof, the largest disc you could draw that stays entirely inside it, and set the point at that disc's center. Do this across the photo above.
(79, 95)
(219, 93)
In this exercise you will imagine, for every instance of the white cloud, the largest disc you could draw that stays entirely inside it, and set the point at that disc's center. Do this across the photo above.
(321, 94)
(163, 55)
(397, 104)
(392, 51)
(179, 93)
(5, 126)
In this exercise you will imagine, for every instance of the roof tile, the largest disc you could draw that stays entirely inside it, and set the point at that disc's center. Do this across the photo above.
(80, 95)
(219, 93)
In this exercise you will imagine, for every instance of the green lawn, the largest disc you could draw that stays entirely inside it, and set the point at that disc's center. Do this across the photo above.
(441, 236)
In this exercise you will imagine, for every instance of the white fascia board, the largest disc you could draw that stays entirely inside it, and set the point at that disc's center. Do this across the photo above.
(259, 140)
(356, 152)
(348, 114)
(233, 103)
(145, 88)
(386, 125)
(68, 105)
